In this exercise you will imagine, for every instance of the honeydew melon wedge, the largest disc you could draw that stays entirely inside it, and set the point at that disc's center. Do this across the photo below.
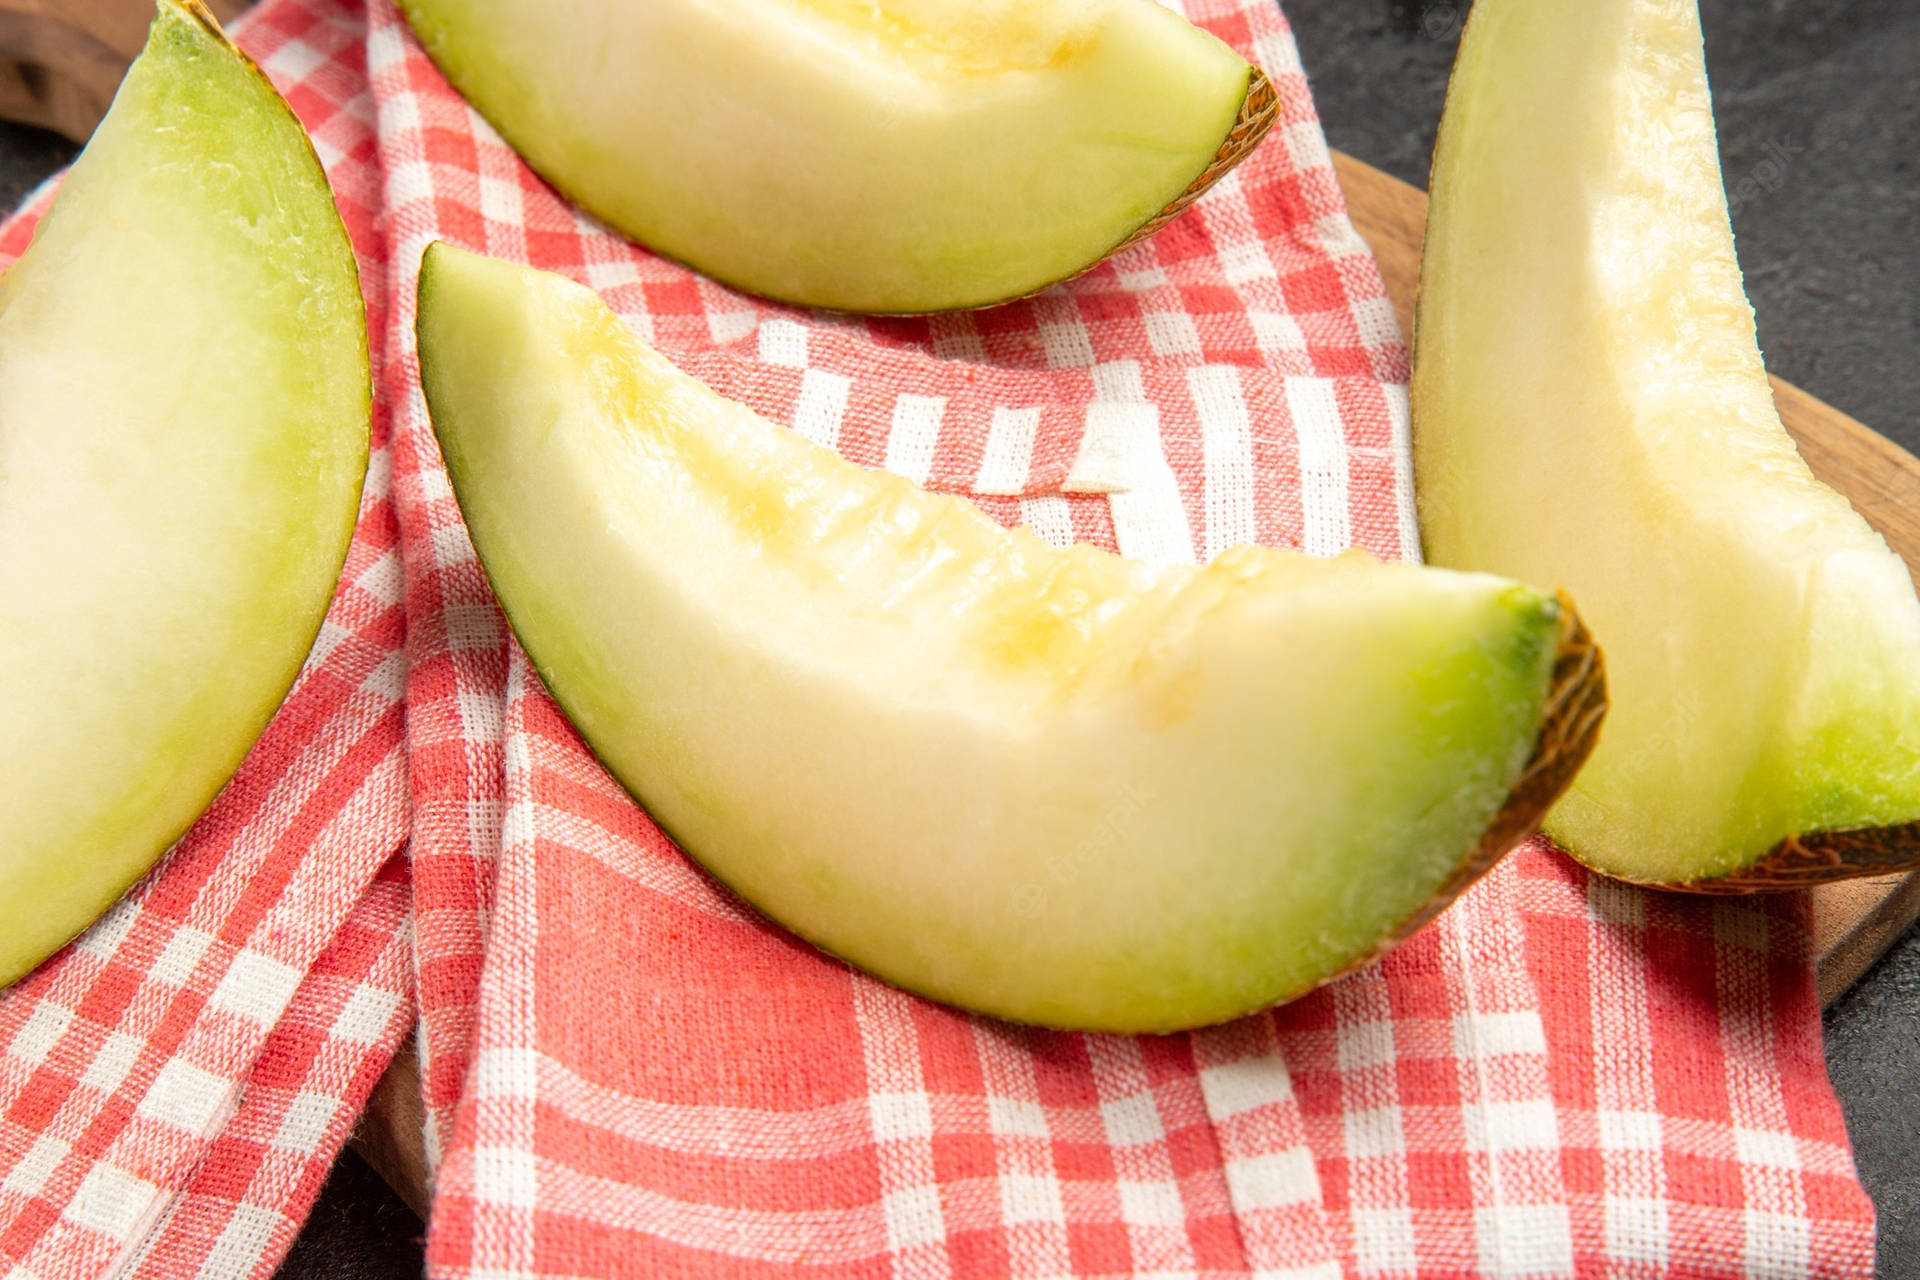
(1590, 411)
(183, 436)
(1051, 785)
(864, 155)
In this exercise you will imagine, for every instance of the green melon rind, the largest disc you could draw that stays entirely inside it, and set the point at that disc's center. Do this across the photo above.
(488, 339)
(494, 58)
(193, 95)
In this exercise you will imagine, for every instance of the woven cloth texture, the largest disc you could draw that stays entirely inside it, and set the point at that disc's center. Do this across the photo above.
(175, 1085)
(627, 1072)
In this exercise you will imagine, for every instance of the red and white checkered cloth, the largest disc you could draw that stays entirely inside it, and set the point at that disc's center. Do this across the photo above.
(627, 1072)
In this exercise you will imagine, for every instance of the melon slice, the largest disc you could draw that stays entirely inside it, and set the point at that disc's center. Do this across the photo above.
(183, 436)
(865, 155)
(1590, 411)
(1052, 785)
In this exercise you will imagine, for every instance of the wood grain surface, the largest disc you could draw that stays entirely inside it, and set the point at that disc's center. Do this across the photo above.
(61, 60)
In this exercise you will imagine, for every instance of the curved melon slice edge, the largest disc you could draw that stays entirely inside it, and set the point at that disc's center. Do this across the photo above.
(185, 385)
(1590, 408)
(755, 638)
(716, 158)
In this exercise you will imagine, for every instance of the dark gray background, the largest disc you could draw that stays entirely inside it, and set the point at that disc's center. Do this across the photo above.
(1830, 241)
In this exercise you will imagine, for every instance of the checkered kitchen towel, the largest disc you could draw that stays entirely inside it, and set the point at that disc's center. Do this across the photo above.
(627, 1072)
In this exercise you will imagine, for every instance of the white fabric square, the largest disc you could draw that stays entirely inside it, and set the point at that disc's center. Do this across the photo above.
(1523, 1125)
(1778, 1246)
(730, 326)
(1740, 926)
(1120, 446)
(1378, 1132)
(1151, 1204)
(365, 1015)
(451, 545)
(1630, 1130)
(187, 1097)
(34, 1168)
(1249, 261)
(1610, 902)
(256, 987)
(1766, 1147)
(474, 626)
(1306, 144)
(1276, 331)
(1383, 1241)
(1378, 326)
(40, 1032)
(294, 60)
(1132, 1120)
(505, 1176)
(1337, 236)
(1519, 1240)
(176, 960)
(605, 275)
(500, 200)
(1016, 1117)
(900, 1116)
(1066, 343)
(821, 405)
(1234, 1088)
(913, 1217)
(783, 342)
(111, 1062)
(305, 1121)
(1635, 1229)
(1050, 518)
(384, 579)
(1490, 1035)
(112, 1202)
(1172, 333)
(1008, 455)
(1226, 441)
(914, 435)
(1273, 1181)
(1359, 1045)
(1321, 435)
(104, 938)
(1026, 1197)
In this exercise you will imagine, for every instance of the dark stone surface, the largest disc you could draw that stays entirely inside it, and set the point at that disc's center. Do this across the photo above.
(359, 1230)
(27, 156)
(1818, 104)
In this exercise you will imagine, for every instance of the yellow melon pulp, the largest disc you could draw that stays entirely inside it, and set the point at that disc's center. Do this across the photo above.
(1049, 784)
(1590, 410)
(866, 155)
(183, 436)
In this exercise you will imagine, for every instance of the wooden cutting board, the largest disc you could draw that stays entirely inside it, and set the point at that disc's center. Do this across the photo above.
(60, 61)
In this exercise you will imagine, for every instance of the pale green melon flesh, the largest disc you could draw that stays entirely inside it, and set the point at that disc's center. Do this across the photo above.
(1052, 785)
(183, 435)
(1591, 412)
(866, 155)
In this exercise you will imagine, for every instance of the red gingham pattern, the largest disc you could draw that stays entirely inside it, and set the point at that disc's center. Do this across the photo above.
(628, 1072)
(175, 1084)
